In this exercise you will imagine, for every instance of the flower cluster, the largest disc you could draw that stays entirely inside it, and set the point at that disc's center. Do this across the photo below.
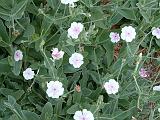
(55, 89)
(128, 34)
(76, 59)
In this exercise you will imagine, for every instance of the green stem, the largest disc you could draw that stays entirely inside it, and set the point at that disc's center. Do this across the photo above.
(51, 68)
(13, 25)
(151, 117)
(30, 88)
(68, 92)
(115, 105)
(123, 61)
(129, 49)
(57, 9)
(15, 111)
(141, 42)
(139, 92)
(99, 76)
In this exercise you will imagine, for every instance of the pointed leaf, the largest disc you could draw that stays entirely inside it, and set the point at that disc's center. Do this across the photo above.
(3, 33)
(19, 9)
(47, 112)
(30, 115)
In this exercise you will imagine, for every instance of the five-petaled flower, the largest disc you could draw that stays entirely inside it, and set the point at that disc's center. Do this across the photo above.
(18, 55)
(28, 74)
(128, 33)
(54, 89)
(111, 86)
(75, 30)
(156, 88)
(56, 54)
(76, 60)
(83, 115)
(156, 32)
(143, 73)
(114, 37)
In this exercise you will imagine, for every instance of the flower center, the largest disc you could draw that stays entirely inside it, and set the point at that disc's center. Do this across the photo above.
(28, 73)
(83, 118)
(116, 37)
(56, 55)
(128, 33)
(77, 60)
(76, 30)
(17, 54)
(54, 89)
(111, 87)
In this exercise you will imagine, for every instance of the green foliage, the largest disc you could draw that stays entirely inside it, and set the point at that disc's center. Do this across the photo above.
(47, 112)
(37, 26)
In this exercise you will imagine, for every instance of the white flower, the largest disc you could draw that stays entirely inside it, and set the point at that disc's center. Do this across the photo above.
(18, 55)
(70, 2)
(128, 33)
(158, 109)
(65, 1)
(76, 60)
(156, 88)
(28, 74)
(114, 37)
(83, 115)
(156, 32)
(75, 30)
(57, 54)
(55, 89)
(111, 87)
